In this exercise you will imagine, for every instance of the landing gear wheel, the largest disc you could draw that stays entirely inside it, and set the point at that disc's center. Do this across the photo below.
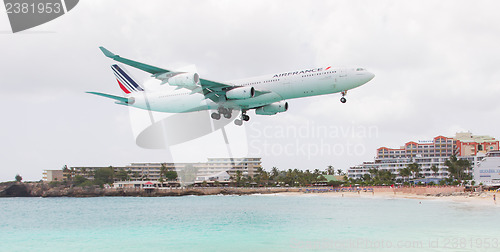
(215, 116)
(227, 115)
(238, 122)
(343, 100)
(245, 117)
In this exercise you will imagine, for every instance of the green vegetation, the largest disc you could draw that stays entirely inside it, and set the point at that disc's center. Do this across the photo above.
(289, 177)
(104, 175)
(122, 175)
(459, 169)
(434, 169)
(18, 178)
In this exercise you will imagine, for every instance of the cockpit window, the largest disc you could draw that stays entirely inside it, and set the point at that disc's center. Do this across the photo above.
(360, 69)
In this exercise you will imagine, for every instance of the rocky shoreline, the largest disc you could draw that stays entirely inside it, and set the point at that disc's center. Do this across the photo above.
(40, 189)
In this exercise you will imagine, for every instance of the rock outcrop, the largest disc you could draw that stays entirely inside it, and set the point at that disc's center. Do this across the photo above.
(15, 190)
(41, 189)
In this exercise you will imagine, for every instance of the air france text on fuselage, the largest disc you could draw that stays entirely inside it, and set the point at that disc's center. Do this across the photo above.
(314, 70)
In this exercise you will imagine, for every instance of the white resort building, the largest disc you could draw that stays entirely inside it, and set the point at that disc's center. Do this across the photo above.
(487, 171)
(220, 169)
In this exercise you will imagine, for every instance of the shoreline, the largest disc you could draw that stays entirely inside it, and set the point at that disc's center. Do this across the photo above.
(446, 193)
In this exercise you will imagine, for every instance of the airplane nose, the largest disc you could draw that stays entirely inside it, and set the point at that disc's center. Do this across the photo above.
(369, 76)
(366, 77)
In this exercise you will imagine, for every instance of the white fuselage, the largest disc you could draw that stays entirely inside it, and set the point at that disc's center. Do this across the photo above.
(272, 88)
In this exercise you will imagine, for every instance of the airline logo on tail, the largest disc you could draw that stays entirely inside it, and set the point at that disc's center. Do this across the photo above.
(126, 83)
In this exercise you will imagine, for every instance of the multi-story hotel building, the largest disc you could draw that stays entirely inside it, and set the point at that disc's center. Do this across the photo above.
(487, 171)
(427, 154)
(151, 171)
(52, 175)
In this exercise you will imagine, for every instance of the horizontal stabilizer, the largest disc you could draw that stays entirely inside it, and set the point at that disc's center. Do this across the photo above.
(124, 100)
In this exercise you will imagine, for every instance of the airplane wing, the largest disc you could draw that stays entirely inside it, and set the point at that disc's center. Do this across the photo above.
(210, 89)
(138, 65)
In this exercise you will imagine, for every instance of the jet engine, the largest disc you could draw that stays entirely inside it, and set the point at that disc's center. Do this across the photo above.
(240, 93)
(184, 80)
(272, 108)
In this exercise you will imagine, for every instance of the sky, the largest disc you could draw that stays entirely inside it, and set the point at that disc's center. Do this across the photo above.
(435, 64)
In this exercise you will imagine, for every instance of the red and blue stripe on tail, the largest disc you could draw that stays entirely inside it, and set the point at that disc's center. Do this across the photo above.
(126, 83)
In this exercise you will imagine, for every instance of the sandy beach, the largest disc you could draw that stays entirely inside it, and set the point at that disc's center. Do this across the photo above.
(475, 198)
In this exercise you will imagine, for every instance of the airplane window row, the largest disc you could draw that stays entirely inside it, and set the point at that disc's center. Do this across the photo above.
(253, 83)
(309, 75)
(163, 96)
(271, 80)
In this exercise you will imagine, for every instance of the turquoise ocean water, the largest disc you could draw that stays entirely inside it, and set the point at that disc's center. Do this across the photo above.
(246, 223)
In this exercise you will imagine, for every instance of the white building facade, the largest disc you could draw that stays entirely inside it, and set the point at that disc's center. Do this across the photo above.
(214, 167)
(487, 171)
(428, 154)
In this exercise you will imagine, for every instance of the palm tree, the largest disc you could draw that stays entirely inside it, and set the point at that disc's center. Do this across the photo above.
(457, 168)
(415, 169)
(330, 170)
(316, 172)
(258, 175)
(366, 178)
(66, 172)
(404, 172)
(339, 172)
(434, 169)
(452, 167)
(274, 173)
(373, 172)
(265, 178)
(135, 175)
(163, 171)
(238, 178)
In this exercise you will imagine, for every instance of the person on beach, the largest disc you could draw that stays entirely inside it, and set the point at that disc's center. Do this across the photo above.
(494, 198)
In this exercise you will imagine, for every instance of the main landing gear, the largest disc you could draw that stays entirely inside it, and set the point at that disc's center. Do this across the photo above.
(343, 99)
(244, 117)
(227, 113)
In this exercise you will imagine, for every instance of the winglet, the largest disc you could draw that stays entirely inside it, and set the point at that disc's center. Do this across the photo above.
(107, 53)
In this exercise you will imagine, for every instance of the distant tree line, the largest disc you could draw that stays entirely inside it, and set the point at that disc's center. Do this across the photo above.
(289, 177)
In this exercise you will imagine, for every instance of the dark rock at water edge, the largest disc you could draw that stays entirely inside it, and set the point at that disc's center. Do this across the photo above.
(15, 190)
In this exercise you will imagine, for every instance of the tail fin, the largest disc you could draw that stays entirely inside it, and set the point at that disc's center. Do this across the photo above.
(126, 83)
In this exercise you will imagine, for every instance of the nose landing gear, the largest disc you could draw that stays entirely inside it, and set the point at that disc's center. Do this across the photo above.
(343, 99)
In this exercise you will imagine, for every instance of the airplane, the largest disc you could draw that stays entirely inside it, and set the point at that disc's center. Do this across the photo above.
(265, 94)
